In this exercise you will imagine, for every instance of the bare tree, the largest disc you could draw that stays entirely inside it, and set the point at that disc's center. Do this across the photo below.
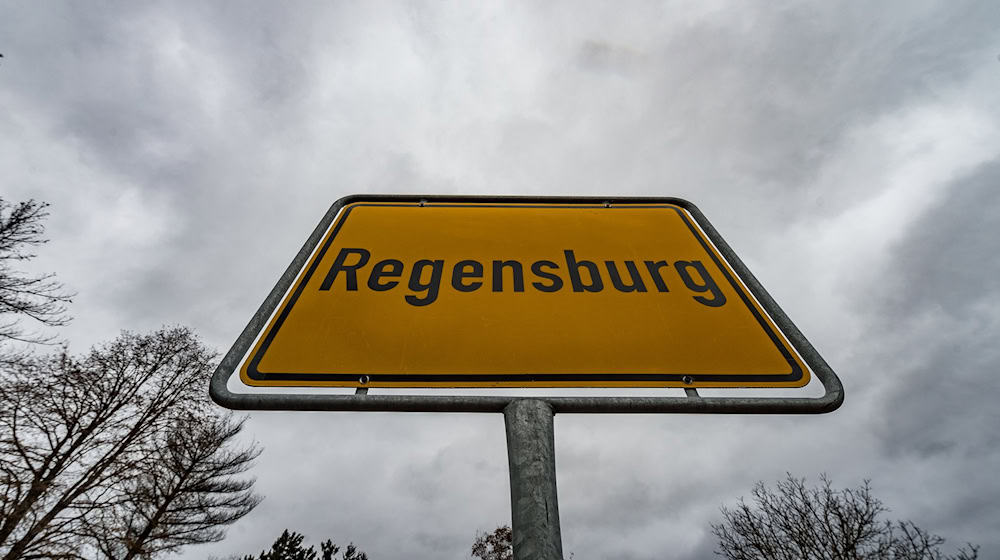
(75, 431)
(182, 493)
(37, 297)
(498, 545)
(795, 522)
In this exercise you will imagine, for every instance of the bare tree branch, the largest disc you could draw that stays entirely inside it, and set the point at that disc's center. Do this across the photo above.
(77, 435)
(793, 521)
(183, 493)
(40, 298)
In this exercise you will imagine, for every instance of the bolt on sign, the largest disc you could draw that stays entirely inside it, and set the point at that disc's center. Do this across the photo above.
(498, 292)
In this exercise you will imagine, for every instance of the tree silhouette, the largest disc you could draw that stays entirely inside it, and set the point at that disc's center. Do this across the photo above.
(85, 439)
(37, 297)
(289, 546)
(184, 493)
(498, 545)
(795, 522)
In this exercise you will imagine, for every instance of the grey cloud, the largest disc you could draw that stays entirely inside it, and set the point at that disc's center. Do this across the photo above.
(941, 293)
(604, 57)
(236, 125)
(947, 260)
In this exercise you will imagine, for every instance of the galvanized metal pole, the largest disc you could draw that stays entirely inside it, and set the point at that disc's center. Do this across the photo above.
(532, 458)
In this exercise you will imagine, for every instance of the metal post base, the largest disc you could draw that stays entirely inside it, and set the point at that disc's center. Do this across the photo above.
(533, 503)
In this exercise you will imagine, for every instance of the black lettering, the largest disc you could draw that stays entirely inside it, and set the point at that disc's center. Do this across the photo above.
(458, 274)
(707, 283)
(556, 282)
(351, 271)
(654, 271)
(515, 268)
(574, 266)
(431, 287)
(395, 270)
(616, 279)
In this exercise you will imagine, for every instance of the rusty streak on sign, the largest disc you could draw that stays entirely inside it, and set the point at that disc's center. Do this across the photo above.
(519, 294)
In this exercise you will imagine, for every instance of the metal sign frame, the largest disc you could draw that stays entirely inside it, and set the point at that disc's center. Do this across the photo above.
(692, 402)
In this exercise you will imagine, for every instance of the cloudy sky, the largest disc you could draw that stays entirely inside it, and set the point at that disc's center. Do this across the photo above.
(849, 153)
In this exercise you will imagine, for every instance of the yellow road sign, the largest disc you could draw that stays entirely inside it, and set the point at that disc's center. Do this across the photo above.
(491, 293)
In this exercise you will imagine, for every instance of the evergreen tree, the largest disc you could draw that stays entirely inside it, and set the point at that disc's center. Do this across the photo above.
(289, 546)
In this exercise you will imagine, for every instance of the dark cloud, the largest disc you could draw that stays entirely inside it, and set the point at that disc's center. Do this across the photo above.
(945, 264)
(941, 292)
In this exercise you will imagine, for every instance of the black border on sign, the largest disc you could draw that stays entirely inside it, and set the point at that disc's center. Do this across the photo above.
(692, 402)
(795, 373)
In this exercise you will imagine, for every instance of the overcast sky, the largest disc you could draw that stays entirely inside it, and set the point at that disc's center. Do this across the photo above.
(849, 153)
